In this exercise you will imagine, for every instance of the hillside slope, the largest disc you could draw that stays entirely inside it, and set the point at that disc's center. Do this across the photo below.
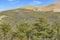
(19, 15)
(29, 15)
(55, 7)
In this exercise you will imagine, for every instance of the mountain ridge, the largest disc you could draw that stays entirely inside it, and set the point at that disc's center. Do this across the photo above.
(32, 14)
(55, 7)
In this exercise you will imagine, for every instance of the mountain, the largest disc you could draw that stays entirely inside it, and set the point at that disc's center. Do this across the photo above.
(35, 29)
(31, 14)
(55, 7)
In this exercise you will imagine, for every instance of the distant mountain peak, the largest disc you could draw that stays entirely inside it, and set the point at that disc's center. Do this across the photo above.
(52, 7)
(29, 7)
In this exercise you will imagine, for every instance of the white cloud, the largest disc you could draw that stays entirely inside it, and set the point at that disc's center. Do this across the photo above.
(38, 2)
(35, 2)
(13, 1)
(10, 0)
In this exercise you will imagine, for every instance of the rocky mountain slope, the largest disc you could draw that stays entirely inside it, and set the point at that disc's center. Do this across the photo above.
(31, 14)
(55, 7)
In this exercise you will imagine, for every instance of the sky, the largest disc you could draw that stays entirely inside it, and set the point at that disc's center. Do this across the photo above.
(13, 4)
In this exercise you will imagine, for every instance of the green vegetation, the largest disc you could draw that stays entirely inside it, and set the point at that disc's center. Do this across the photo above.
(22, 24)
(40, 30)
(18, 15)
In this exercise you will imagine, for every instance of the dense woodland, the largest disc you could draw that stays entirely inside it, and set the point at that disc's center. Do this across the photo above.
(39, 30)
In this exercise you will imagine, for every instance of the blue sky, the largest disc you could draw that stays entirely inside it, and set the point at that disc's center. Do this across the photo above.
(11, 4)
